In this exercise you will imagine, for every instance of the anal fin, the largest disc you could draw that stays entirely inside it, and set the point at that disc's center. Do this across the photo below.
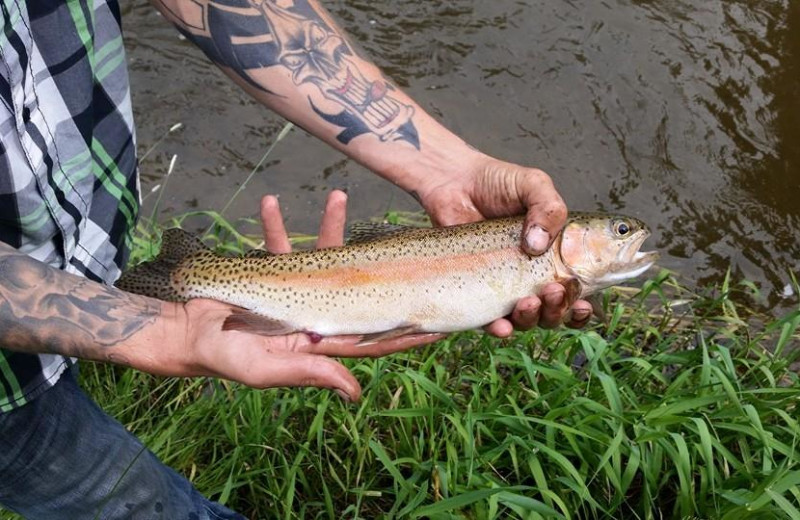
(403, 330)
(246, 321)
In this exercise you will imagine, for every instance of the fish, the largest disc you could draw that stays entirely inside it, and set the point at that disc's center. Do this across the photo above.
(389, 281)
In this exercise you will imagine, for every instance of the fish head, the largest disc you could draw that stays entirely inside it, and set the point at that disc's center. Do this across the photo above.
(603, 250)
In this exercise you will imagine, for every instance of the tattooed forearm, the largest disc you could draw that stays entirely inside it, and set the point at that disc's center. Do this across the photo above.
(43, 309)
(264, 42)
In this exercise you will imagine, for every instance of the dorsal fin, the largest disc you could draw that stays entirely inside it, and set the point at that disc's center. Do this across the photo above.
(177, 244)
(154, 278)
(258, 253)
(368, 231)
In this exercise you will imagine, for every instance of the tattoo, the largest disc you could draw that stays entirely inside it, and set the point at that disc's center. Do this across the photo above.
(291, 36)
(43, 309)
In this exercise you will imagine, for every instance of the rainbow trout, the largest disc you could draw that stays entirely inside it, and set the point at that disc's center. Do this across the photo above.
(400, 281)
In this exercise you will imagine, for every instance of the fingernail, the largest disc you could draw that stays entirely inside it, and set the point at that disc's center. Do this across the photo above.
(537, 240)
(554, 299)
(343, 395)
(581, 314)
(531, 311)
(338, 193)
(270, 201)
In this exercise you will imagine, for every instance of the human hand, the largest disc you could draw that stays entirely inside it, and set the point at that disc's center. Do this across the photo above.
(290, 360)
(493, 188)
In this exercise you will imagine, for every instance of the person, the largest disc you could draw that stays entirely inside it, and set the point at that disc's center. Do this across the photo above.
(68, 205)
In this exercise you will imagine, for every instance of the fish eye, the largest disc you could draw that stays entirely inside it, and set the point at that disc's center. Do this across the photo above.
(622, 228)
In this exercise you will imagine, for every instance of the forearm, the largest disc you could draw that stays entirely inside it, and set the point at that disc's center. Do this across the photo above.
(296, 61)
(45, 310)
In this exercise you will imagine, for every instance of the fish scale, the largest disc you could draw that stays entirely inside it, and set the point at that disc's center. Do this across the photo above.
(414, 279)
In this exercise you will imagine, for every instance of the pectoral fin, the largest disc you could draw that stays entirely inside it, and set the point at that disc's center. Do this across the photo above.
(573, 290)
(246, 321)
(371, 339)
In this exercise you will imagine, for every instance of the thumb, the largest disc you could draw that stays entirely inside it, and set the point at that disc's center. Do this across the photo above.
(305, 370)
(546, 215)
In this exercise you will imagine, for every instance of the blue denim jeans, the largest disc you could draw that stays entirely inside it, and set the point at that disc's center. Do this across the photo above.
(62, 457)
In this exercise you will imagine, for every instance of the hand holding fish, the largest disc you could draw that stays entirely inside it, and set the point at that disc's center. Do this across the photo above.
(494, 188)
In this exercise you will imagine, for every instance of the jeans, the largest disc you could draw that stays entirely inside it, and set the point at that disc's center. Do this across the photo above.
(62, 457)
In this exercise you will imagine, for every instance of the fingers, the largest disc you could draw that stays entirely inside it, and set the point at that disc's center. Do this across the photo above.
(501, 328)
(276, 240)
(554, 305)
(331, 229)
(556, 309)
(546, 310)
(525, 316)
(547, 212)
(549, 310)
(305, 370)
(305, 363)
(526, 313)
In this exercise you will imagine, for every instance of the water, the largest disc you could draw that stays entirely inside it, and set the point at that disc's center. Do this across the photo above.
(685, 114)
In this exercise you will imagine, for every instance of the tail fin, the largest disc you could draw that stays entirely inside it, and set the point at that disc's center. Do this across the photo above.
(154, 278)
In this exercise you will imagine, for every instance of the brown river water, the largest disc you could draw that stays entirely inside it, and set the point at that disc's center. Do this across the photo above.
(683, 113)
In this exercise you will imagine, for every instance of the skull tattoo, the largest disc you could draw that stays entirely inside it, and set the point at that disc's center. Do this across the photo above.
(317, 55)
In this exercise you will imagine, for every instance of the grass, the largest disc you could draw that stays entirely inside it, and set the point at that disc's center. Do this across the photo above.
(650, 416)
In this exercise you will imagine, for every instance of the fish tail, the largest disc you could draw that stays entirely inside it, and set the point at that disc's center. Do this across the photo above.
(154, 278)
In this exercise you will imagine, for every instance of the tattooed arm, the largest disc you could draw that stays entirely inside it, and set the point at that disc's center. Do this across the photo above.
(291, 56)
(43, 309)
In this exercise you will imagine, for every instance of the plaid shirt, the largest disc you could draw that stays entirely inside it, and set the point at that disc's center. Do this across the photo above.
(68, 184)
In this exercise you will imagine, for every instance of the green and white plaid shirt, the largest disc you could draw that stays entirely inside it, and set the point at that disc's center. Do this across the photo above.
(68, 183)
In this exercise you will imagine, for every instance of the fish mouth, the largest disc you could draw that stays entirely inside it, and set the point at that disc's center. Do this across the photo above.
(632, 253)
(641, 262)
(630, 262)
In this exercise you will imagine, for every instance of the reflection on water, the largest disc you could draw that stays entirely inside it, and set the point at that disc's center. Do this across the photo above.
(683, 113)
